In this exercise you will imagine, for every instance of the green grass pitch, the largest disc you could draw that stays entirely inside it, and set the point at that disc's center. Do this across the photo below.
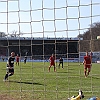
(32, 81)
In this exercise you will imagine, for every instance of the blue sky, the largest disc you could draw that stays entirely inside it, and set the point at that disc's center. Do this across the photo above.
(48, 18)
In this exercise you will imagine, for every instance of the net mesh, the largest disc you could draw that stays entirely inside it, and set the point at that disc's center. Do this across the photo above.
(38, 28)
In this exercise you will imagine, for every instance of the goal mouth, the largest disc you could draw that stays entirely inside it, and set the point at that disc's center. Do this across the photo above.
(36, 29)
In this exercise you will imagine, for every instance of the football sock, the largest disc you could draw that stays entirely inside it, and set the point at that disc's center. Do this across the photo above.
(85, 73)
(88, 73)
(6, 76)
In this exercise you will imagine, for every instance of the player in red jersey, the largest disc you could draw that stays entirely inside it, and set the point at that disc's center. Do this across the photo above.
(52, 62)
(17, 59)
(87, 64)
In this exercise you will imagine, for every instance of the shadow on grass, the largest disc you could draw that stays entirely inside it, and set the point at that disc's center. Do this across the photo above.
(94, 77)
(62, 72)
(68, 71)
(26, 82)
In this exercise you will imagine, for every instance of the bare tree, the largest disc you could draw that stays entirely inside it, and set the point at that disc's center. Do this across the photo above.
(15, 33)
(80, 36)
(92, 32)
(3, 34)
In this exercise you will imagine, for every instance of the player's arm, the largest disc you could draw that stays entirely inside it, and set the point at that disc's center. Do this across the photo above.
(83, 62)
(9, 63)
(50, 59)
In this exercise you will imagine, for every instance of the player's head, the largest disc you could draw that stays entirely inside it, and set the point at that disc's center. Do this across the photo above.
(52, 55)
(12, 54)
(86, 53)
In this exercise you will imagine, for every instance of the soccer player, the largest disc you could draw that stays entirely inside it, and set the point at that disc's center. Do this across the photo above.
(17, 59)
(94, 98)
(60, 62)
(10, 66)
(87, 64)
(52, 62)
(3, 59)
(80, 96)
(25, 58)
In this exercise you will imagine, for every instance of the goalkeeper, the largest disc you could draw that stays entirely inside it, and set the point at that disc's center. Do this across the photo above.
(81, 96)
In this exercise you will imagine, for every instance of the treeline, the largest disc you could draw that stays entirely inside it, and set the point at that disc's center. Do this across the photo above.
(90, 41)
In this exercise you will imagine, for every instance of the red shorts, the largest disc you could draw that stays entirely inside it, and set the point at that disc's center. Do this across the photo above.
(52, 64)
(87, 66)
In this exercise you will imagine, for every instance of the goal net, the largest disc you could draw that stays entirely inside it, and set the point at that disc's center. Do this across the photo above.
(36, 29)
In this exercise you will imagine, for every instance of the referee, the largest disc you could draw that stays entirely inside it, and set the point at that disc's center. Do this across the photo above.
(10, 66)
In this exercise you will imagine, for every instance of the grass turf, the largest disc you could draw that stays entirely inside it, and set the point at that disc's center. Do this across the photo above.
(32, 81)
